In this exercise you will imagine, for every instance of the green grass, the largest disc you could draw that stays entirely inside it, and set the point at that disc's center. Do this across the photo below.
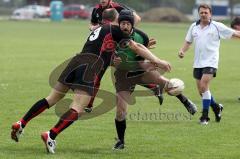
(31, 50)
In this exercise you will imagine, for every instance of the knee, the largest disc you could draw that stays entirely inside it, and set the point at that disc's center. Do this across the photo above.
(121, 115)
(50, 101)
(53, 99)
(203, 87)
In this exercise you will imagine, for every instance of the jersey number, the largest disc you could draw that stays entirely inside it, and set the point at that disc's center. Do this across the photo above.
(95, 34)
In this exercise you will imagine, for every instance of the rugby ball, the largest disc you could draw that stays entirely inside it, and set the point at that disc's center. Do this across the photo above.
(175, 87)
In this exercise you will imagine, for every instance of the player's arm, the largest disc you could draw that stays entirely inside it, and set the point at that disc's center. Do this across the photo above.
(184, 49)
(236, 34)
(151, 44)
(142, 51)
(94, 20)
(93, 26)
(137, 18)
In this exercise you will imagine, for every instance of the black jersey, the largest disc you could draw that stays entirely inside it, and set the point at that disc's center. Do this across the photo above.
(96, 17)
(84, 69)
(102, 42)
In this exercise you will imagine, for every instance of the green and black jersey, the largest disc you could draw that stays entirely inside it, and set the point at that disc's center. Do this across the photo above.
(130, 58)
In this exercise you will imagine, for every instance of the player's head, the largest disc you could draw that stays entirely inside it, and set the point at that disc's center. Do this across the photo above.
(105, 3)
(126, 21)
(109, 15)
(235, 24)
(205, 13)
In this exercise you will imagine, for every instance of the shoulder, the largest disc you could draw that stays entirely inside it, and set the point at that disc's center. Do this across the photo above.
(194, 24)
(143, 35)
(115, 4)
(216, 23)
(119, 6)
(140, 32)
(219, 26)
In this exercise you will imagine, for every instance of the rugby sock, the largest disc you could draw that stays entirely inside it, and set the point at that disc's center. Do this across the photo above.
(154, 88)
(213, 103)
(182, 98)
(120, 127)
(66, 120)
(150, 86)
(206, 100)
(34, 111)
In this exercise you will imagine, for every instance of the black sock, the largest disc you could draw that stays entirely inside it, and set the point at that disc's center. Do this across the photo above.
(205, 113)
(34, 111)
(120, 127)
(182, 98)
(65, 121)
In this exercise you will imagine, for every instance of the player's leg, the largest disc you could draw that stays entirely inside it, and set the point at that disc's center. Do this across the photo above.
(157, 90)
(203, 86)
(80, 100)
(207, 98)
(120, 121)
(89, 107)
(56, 94)
(154, 76)
(187, 103)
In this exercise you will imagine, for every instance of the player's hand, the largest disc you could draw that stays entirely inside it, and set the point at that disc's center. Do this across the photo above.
(152, 43)
(116, 61)
(166, 66)
(93, 27)
(181, 54)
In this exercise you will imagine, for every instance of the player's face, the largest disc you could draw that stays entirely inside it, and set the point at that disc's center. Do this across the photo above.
(126, 27)
(105, 3)
(205, 15)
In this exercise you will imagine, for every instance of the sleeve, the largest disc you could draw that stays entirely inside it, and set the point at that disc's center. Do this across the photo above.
(224, 31)
(94, 19)
(144, 36)
(119, 7)
(189, 37)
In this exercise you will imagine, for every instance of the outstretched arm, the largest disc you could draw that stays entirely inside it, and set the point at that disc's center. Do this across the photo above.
(142, 51)
(236, 34)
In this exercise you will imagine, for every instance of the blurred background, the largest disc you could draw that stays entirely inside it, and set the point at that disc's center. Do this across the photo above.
(150, 10)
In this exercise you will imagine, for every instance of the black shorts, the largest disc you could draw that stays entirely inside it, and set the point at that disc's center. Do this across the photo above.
(126, 81)
(82, 72)
(198, 72)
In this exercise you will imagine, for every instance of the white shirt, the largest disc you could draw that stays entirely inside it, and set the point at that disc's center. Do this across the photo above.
(207, 42)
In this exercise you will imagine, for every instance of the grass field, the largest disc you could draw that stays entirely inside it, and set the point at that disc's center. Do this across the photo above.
(31, 50)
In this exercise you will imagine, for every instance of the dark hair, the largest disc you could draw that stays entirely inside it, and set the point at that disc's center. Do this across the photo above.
(235, 21)
(205, 6)
(126, 15)
(109, 14)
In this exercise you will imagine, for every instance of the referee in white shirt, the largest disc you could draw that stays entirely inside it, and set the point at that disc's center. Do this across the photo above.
(206, 35)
